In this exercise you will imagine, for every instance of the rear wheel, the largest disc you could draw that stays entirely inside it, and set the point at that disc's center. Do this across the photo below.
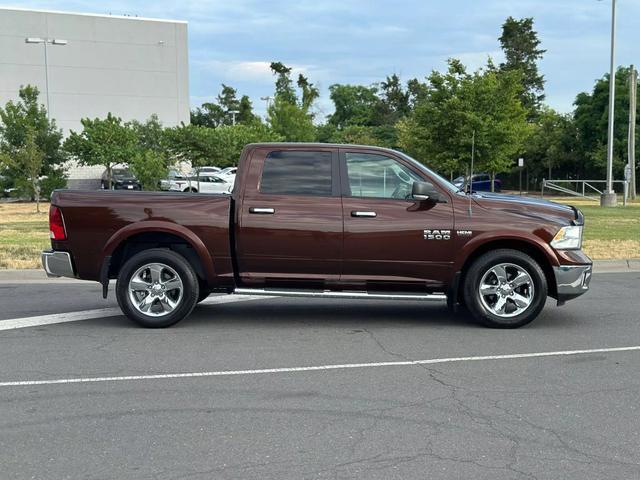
(505, 289)
(157, 288)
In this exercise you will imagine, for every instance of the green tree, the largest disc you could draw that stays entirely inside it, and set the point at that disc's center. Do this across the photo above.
(18, 121)
(591, 121)
(288, 116)
(149, 167)
(550, 145)
(520, 44)
(394, 101)
(353, 105)
(150, 134)
(105, 142)
(29, 160)
(213, 115)
(458, 106)
(203, 146)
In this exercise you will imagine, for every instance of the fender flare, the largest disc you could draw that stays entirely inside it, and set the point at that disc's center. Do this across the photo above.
(151, 226)
(469, 248)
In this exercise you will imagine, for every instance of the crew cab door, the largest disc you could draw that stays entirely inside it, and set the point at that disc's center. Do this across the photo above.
(289, 227)
(390, 240)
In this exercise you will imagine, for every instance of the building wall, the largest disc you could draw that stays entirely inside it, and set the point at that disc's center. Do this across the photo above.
(131, 67)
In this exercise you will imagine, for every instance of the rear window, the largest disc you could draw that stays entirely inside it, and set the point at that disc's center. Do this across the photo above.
(297, 173)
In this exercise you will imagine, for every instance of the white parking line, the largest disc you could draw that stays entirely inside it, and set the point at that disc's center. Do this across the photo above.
(54, 318)
(229, 373)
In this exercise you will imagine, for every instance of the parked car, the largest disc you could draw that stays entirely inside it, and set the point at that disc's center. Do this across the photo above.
(204, 171)
(121, 179)
(173, 175)
(481, 183)
(205, 183)
(227, 172)
(318, 220)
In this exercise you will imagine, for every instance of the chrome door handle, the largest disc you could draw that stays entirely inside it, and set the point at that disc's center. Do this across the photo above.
(357, 213)
(263, 211)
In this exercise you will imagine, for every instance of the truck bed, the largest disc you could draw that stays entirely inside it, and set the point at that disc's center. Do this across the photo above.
(101, 223)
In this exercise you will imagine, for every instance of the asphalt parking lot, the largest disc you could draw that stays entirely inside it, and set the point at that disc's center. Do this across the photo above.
(297, 388)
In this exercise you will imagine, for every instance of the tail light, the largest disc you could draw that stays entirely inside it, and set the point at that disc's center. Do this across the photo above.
(56, 224)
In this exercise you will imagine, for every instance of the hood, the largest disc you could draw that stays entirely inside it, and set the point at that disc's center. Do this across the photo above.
(530, 207)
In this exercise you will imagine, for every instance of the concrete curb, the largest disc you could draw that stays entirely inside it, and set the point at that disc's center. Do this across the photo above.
(39, 276)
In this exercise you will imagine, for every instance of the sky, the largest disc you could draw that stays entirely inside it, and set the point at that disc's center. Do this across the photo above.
(363, 41)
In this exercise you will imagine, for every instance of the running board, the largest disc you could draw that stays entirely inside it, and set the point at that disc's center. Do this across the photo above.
(434, 297)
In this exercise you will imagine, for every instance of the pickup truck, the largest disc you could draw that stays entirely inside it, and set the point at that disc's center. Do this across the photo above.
(322, 220)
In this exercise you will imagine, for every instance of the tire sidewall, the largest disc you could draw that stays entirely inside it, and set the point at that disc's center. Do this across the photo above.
(480, 267)
(182, 268)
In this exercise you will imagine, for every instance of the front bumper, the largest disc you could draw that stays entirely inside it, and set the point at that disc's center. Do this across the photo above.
(572, 281)
(57, 264)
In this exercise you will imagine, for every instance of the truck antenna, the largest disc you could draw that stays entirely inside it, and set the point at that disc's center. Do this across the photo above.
(473, 154)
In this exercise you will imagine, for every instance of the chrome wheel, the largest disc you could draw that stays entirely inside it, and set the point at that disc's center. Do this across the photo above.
(506, 290)
(155, 289)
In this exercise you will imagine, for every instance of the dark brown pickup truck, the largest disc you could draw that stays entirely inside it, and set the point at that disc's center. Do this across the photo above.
(322, 220)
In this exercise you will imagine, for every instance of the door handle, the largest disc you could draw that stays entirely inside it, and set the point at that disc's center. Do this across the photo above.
(262, 210)
(357, 213)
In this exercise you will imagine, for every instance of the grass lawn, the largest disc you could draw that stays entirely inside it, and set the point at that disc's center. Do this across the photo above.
(609, 233)
(23, 234)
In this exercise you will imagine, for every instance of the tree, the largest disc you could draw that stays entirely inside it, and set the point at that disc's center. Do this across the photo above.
(106, 142)
(288, 116)
(520, 44)
(551, 144)
(18, 121)
(149, 167)
(394, 101)
(149, 134)
(591, 122)
(29, 160)
(353, 105)
(459, 106)
(203, 146)
(216, 114)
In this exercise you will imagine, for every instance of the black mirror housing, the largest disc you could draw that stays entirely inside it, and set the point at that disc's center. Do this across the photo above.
(422, 191)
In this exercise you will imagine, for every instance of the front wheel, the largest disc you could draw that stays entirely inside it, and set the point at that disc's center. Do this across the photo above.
(505, 288)
(157, 288)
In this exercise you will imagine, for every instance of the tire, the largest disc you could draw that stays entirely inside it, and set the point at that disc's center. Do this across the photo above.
(514, 289)
(154, 272)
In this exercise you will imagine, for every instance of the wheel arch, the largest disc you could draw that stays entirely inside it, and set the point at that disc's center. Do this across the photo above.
(530, 248)
(135, 238)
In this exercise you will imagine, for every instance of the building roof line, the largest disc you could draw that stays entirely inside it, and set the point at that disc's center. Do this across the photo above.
(100, 15)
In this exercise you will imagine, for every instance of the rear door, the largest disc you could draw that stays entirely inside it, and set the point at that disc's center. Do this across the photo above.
(390, 240)
(290, 228)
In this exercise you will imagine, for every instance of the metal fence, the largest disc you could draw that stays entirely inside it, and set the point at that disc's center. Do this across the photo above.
(581, 188)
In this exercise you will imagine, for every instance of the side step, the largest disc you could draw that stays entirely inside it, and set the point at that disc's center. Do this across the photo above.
(434, 297)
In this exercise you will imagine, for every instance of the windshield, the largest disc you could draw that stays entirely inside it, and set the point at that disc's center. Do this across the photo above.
(441, 180)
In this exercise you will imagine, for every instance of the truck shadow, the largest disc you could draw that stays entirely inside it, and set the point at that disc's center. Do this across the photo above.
(328, 313)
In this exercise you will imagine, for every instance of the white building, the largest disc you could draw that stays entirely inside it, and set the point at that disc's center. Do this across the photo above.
(94, 64)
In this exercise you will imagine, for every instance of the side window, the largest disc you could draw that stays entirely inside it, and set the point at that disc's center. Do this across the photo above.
(292, 172)
(378, 176)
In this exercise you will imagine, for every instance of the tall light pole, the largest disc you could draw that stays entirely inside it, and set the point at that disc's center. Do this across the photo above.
(608, 198)
(45, 42)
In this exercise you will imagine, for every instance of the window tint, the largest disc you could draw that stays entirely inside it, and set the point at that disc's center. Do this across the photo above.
(297, 173)
(378, 176)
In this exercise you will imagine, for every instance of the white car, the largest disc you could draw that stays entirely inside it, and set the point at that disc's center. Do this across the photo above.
(205, 171)
(207, 183)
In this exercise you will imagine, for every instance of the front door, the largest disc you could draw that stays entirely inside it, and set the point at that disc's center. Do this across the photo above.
(390, 240)
(290, 223)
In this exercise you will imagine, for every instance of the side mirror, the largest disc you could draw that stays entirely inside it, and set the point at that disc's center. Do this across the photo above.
(425, 191)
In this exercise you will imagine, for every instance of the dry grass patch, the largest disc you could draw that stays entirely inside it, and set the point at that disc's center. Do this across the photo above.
(612, 249)
(23, 234)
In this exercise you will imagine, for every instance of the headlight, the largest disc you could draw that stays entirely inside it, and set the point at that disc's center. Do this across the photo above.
(568, 238)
